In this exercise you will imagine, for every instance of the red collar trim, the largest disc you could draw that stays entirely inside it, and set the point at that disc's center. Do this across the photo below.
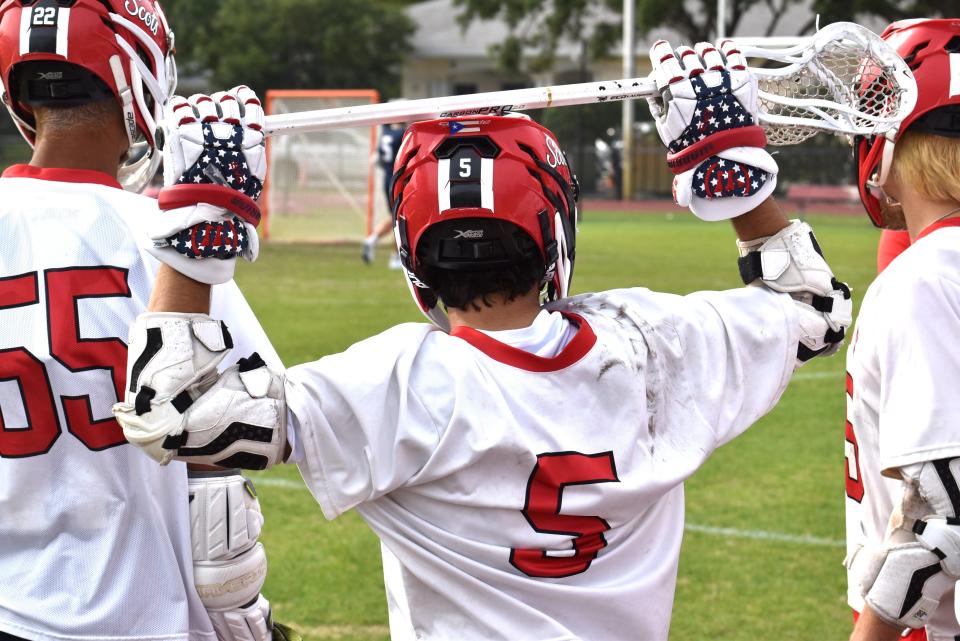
(86, 176)
(582, 342)
(929, 229)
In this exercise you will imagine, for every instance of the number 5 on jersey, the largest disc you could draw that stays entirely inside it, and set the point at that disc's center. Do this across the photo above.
(552, 473)
(851, 451)
(64, 288)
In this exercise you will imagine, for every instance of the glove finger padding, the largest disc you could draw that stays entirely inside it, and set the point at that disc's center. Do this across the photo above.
(177, 406)
(708, 121)
(792, 262)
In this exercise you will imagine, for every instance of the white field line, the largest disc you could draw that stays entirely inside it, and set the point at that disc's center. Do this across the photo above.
(333, 632)
(284, 483)
(710, 530)
(812, 376)
(763, 535)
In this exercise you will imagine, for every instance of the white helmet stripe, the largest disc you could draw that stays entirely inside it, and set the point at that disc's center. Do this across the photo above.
(443, 184)
(26, 15)
(63, 30)
(486, 183)
(563, 261)
(954, 74)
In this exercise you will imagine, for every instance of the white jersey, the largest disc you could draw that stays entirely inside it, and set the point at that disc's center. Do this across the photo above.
(903, 373)
(539, 496)
(94, 536)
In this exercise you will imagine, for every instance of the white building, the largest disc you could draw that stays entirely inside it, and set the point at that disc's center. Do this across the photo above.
(448, 60)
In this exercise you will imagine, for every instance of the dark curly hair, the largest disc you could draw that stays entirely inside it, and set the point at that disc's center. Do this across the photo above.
(515, 269)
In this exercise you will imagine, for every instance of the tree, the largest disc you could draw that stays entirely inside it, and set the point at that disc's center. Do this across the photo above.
(538, 26)
(291, 44)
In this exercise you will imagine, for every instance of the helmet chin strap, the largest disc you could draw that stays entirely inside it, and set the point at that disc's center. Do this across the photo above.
(883, 172)
(126, 97)
(886, 159)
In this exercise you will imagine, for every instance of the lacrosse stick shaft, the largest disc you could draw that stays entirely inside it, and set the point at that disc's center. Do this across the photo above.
(480, 104)
(826, 100)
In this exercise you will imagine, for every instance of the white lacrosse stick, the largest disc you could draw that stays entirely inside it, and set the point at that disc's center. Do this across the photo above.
(843, 80)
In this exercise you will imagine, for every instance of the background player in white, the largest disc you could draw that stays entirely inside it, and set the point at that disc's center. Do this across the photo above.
(522, 464)
(903, 365)
(95, 538)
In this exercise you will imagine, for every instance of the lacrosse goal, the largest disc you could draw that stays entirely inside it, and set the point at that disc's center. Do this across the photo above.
(320, 186)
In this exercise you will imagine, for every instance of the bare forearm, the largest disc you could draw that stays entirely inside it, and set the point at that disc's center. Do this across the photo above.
(871, 627)
(764, 220)
(174, 292)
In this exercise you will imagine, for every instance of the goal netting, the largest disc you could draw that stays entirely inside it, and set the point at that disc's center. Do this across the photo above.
(321, 187)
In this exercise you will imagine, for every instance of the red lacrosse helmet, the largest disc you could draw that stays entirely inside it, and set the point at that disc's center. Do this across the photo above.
(476, 181)
(926, 46)
(70, 52)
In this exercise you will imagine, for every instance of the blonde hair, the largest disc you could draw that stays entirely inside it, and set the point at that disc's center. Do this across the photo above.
(930, 164)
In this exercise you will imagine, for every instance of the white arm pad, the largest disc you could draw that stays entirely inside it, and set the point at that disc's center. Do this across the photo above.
(791, 262)
(229, 564)
(235, 420)
(904, 580)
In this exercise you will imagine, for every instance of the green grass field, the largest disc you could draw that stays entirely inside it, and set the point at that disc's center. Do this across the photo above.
(763, 548)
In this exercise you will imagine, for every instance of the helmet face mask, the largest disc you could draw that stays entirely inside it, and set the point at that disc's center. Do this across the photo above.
(125, 45)
(927, 46)
(491, 191)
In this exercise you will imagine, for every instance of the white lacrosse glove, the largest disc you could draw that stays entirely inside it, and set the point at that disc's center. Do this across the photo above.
(214, 164)
(706, 115)
(791, 262)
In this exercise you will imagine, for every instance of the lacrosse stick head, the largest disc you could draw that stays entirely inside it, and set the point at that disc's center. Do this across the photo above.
(931, 49)
(843, 80)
